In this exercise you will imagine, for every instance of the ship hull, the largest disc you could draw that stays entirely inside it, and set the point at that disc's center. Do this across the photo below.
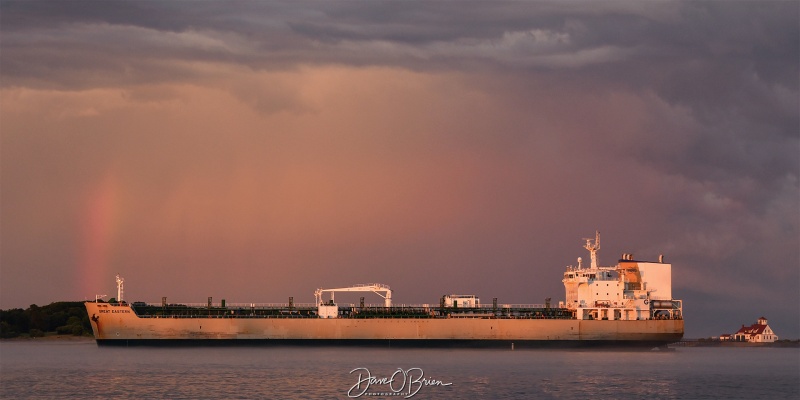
(119, 325)
(392, 343)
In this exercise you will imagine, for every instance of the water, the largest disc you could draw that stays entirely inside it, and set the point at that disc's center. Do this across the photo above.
(79, 369)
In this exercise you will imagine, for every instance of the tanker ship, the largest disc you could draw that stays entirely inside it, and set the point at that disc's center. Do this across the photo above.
(626, 305)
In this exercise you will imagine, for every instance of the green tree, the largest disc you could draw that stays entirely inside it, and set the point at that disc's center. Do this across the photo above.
(7, 331)
(63, 317)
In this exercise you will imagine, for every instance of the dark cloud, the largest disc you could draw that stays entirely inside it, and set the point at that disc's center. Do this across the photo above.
(430, 138)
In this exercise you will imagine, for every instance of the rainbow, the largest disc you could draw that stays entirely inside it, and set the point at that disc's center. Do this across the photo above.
(98, 228)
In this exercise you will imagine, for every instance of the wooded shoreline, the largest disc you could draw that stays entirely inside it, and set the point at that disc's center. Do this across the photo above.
(62, 318)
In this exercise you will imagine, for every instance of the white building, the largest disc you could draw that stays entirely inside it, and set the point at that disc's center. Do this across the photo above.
(757, 333)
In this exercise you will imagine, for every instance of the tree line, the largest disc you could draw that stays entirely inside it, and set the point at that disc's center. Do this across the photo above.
(61, 317)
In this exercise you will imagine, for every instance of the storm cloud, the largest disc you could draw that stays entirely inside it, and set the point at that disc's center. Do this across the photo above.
(258, 150)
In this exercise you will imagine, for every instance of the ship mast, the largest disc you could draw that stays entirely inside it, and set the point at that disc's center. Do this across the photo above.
(119, 289)
(593, 248)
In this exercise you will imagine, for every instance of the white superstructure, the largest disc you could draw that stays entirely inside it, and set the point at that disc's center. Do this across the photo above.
(461, 300)
(631, 290)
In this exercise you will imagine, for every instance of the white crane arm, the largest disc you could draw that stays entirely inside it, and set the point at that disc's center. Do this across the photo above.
(376, 288)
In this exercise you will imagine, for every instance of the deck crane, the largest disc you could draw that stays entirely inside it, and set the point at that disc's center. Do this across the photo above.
(376, 288)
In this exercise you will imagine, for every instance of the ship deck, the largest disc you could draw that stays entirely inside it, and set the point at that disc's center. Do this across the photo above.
(350, 311)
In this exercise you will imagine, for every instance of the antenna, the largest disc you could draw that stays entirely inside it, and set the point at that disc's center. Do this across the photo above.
(119, 289)
(593, 247)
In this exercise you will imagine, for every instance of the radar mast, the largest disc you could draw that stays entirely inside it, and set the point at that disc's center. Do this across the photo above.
(593, 248)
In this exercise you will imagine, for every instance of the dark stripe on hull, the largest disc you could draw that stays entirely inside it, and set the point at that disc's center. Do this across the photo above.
(396, 343)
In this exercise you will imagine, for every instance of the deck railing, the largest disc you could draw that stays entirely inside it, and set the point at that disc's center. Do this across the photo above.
(341, 305)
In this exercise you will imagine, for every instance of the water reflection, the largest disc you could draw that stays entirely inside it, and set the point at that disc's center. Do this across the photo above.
(34, 370)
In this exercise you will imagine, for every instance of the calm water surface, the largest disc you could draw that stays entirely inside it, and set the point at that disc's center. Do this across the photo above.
(79, 369)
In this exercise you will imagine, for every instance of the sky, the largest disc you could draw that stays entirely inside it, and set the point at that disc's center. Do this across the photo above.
(252, 151)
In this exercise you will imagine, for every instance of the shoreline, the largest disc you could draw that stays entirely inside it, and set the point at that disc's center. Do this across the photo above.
(711, 343)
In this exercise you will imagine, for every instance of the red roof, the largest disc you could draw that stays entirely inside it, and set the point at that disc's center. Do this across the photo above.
(754, 329)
